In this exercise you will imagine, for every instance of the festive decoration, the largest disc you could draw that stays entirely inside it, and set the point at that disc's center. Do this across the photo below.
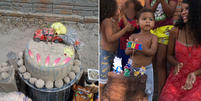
(142, 70)
(126, 67)
(117, 65)
(56, 61)
(77, 42)
(47, 61)
(38, 58)
(66, 61)
(70, 37)
(136, 73)
(30, 54)
(69, 52)
(89, 95)
(59, 28)
(127, 72)
(134, 45)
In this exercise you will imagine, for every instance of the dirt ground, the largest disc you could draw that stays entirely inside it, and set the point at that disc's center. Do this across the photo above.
(14, 37)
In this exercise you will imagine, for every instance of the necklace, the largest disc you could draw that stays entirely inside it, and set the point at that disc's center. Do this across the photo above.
(187, 45)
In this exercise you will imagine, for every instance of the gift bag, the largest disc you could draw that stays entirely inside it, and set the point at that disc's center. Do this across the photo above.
(82, 93)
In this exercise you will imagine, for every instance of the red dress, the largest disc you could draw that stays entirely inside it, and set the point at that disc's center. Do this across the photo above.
(172, 91)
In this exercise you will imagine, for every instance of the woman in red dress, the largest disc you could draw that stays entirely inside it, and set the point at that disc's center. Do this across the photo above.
(184, 54)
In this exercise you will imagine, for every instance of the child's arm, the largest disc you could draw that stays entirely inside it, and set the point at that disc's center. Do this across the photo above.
(116, 18)
(148, 5)
(123, 15)
(152, 50)
(170, 8)
(110, 35)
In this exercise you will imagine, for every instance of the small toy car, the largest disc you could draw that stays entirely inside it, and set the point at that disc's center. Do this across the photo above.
(47, 33)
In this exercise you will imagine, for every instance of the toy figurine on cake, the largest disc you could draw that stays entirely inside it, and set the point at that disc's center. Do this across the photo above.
(117, 65)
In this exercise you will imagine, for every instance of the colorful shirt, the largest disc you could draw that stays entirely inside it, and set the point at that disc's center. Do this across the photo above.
(161, 18)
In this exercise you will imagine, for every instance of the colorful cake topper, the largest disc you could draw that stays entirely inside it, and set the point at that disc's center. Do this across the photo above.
(38, 58)
(136, 73)
(59, 28)
(69, 52)
(126, 67)
(47, 61)
(117, 65)
(134, 45)
(130, 61)
(142, 70)
(127, 72)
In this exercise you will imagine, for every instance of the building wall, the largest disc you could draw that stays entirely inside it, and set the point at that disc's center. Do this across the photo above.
(65, 7)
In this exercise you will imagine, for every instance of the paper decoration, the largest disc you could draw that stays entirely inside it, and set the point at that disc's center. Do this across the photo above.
(30, 54)
(59, 28)
(77, 42)
(142, 70)
(56, 61)
(117, 65)
(66, 61)
(38, 58)
(69, 52)
(47, 61)
(134, 45)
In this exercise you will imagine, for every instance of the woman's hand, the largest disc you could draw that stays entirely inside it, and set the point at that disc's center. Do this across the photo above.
(189, 81)
(177, 68)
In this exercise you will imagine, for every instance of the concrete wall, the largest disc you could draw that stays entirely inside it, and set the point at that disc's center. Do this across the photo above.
(52, 10)
(66, 7)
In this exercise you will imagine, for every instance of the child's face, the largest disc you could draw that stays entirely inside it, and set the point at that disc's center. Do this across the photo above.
(130, 12)
(184, 12)
(146, 21)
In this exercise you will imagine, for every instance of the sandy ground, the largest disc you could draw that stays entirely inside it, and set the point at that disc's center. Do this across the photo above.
(15, 39)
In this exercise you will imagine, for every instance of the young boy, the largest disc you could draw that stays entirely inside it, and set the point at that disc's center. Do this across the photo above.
(110, 35)
(145, 19)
